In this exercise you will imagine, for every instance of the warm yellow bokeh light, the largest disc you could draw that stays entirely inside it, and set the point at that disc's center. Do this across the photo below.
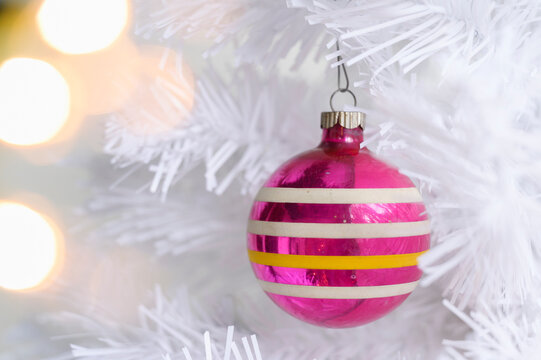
(34, 101)
(165, 95)
(82, 26)
(28, 247)
(101, 82)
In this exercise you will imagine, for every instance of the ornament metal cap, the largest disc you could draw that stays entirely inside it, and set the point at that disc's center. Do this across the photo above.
(347, 119)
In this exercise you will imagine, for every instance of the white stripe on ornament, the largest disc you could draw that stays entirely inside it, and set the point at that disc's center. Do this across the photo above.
(338, 292)
(339, 196)
(339, 230)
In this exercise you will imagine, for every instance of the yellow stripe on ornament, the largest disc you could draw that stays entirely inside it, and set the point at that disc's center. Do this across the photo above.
(324, 262)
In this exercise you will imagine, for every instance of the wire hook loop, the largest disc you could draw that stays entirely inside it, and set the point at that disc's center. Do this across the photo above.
(342, 89)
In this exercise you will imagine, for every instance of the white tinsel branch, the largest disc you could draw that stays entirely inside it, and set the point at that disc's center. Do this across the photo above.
(498, 332)
(239, 132)
(400, 35)
(170, 329)
(191, 220)
(231, 350)
(263, 31)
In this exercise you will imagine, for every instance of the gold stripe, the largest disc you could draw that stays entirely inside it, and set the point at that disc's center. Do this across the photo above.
(325, 262)
(338, 292)
(339, 196)
(339, 230)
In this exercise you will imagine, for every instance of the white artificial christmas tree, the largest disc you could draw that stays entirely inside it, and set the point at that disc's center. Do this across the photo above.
(452, 92)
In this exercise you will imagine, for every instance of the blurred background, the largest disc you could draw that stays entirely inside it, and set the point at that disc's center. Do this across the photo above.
(57, 80)
(44, 152)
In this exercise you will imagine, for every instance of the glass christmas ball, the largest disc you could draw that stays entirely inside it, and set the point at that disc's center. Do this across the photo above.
(334, 234)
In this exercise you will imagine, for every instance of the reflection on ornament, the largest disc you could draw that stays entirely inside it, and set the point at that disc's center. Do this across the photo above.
(334, 234)
(165, 94)
(29, 247)
(34, 101)
(82, 26)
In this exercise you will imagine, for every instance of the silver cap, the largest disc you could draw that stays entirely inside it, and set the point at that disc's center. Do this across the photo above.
(347, 119)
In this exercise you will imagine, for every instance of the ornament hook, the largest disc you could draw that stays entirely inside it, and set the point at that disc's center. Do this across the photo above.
(342, 91)
(345, 89)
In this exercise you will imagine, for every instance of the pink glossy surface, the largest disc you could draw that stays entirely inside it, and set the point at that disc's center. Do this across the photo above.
(338, 162)
(337, 247)
(337, 313)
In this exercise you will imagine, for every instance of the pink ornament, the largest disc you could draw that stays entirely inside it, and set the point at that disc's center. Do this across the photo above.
(334, 234)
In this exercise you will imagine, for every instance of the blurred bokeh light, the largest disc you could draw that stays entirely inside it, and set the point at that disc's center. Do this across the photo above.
(82, 26)
(165, 95)
(34, 101)
(103, 81)
(29, 247)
